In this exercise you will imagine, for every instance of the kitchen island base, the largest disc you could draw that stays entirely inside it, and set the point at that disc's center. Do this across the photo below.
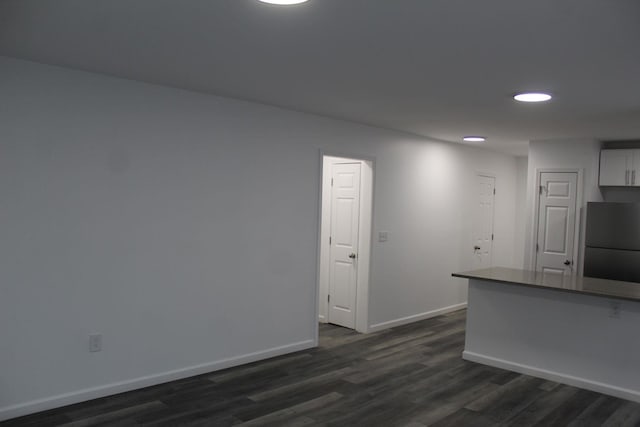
(587, 341)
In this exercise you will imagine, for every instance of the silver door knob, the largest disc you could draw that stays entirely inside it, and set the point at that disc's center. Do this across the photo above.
(352, 256)
(567, 262)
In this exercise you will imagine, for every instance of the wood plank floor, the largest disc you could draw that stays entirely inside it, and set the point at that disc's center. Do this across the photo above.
(411, 376)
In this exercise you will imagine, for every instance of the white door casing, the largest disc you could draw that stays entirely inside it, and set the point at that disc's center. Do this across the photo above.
(556, 227)
(483, 221)
(345, 215)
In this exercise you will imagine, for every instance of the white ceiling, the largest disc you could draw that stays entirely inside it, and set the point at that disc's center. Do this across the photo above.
(437, 68)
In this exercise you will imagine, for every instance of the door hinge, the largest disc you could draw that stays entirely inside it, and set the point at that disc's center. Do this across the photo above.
(329, 239)
(542, 188)
(328, 297)
(537, 248)
(494, 191)
(332, 182)
(492, 237)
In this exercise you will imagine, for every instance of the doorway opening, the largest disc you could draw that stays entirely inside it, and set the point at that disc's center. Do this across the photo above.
(345, 242)
(557, 221)
(483, 221)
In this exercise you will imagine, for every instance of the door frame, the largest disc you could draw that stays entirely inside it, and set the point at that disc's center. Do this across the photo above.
(577, 232)
(365, 231)
(493, 215)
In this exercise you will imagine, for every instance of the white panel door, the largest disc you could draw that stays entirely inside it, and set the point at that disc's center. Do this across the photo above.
(483, 221)
(345, 216)
(616, 167)
(556, 222)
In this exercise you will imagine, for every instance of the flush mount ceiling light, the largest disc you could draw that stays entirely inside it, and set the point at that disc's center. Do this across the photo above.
(532, 97)
(283, 2)
(474, 139)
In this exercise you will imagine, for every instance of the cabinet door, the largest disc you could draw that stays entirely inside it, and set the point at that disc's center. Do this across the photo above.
(615, 167)
(635, 169)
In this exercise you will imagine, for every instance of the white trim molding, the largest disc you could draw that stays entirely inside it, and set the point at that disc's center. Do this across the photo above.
(533, 371)
(57, 401)
(416, 317)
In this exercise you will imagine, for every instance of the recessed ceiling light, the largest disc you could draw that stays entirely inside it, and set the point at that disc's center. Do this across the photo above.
(532, 97)
(474, 139)
(283, 2)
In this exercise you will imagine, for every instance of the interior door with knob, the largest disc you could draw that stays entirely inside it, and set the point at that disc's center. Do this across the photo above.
(556, 222)
(483, 221)
(345, 216)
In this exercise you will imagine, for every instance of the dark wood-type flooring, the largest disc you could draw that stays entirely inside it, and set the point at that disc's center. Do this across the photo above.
(411, 375)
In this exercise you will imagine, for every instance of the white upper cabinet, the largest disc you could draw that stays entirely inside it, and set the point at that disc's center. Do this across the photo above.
(635, 171)
(620, 167)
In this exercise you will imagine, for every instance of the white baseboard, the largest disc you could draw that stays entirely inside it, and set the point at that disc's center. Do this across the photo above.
(65, 399)
(587, 384)
(416, 317)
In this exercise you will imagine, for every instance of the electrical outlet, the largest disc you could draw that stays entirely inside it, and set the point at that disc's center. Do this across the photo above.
(614, 309)
(383, 236)
(95, 342)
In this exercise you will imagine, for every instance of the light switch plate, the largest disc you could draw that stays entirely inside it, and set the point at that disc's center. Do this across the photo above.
(95, 343)
(614, 309)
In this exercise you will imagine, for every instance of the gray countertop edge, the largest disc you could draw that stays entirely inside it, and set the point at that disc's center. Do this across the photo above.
(606, 288)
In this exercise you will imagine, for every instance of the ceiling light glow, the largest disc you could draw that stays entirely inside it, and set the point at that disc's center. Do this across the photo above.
(474, 139)
(532, 97)
(283, 2)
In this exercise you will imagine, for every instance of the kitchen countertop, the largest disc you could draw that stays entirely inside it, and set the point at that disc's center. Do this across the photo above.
(574, 284)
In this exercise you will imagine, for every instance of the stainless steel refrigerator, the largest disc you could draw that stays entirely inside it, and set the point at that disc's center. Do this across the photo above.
(613, 241)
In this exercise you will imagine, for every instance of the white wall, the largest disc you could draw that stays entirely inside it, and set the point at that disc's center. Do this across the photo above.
(183, 227)
(583, 154)
(521, 211)
(424, 196)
